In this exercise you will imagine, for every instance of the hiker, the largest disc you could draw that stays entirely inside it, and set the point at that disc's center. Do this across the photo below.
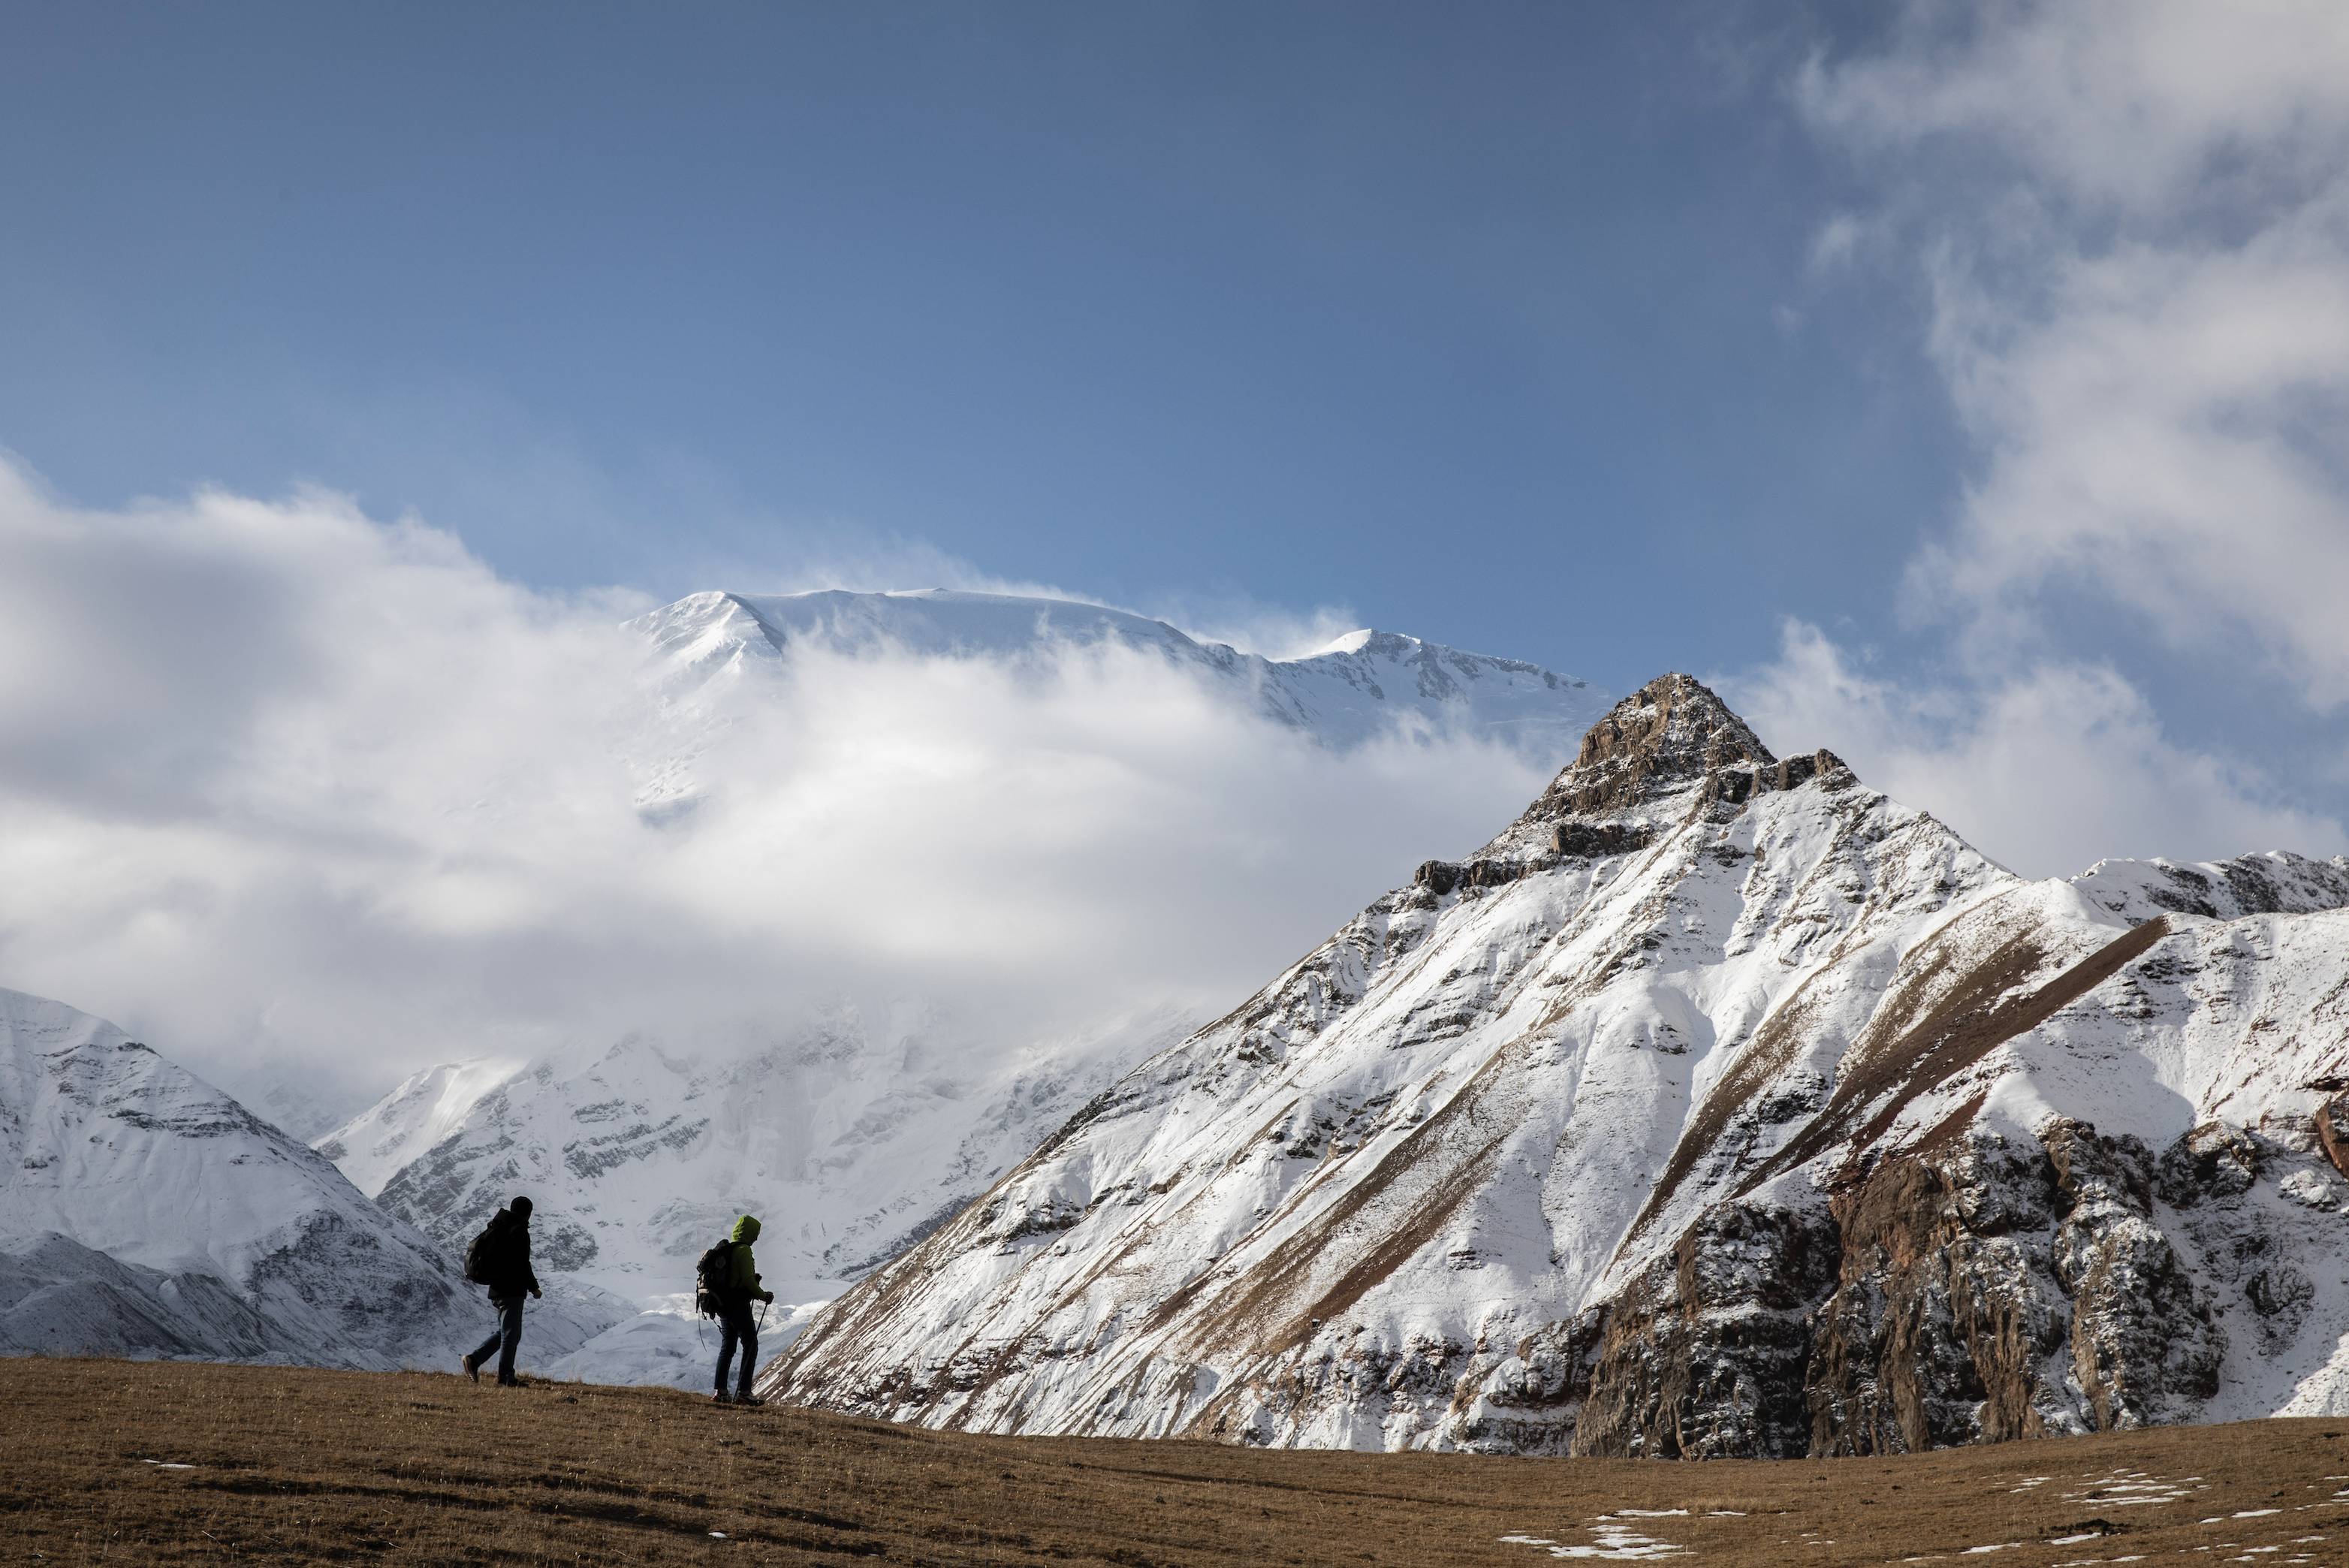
(738, 1289)
(499, 1258)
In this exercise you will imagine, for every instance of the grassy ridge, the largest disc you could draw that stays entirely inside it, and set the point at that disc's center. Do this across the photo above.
(299, 1466)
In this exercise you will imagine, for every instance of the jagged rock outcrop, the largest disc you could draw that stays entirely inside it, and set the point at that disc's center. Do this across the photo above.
(1704, 1350)
(1989, 1291)
(1719, 1106)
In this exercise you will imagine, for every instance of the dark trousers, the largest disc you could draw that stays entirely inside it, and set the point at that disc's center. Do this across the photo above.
(737, 1326)
(508, 1335)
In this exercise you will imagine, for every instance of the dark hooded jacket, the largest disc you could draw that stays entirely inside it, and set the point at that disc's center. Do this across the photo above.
(505, 1255)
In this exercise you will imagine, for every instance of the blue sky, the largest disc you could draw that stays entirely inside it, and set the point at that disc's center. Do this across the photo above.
(1468, 321)
(1618, 338)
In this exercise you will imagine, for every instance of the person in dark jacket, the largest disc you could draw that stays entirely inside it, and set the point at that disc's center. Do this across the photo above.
(735, 1324)
(505, 1269)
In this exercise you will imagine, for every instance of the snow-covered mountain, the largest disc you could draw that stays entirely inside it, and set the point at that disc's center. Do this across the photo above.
(424, 1109)
(1342, 694)
(146, 1214)
(1360, 686)
(849, 1141)
(852, 1141)
(1719, 1106)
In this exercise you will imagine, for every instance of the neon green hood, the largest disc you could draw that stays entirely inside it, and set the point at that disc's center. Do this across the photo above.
(746, 1230)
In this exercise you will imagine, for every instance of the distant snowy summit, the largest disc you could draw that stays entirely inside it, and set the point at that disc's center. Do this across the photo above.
(1353, 690)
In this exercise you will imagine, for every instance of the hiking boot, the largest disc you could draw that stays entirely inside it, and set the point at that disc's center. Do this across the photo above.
(744, 1397)
(473, 1368)
(721, 1398)
(512, 1383)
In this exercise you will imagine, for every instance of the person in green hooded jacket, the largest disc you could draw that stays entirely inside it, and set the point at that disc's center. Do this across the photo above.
(735, 1324)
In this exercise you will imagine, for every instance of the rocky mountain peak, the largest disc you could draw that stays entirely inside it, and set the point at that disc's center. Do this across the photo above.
(1733, 1110)
(1671, 733)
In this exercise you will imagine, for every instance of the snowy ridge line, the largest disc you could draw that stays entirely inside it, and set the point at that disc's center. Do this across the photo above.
(1343, 694)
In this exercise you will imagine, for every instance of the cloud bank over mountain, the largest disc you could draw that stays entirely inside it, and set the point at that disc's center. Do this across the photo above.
(295, 780)
(2054, 760)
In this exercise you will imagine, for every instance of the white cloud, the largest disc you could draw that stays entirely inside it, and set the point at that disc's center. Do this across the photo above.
(2133, 105)
(2060, 765)
(2133, 216)
(278, 777)
(2139, 253)
(1837, 240)
(2166, 426)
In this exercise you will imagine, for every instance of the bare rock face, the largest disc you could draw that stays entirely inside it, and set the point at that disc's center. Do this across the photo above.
(2331, 1121)
(2144, 1348)
(1719, 1106)
(1944, 1313)
(1982, 1289)
(1993, 1290)
(1704, 1354)
(1670, 731)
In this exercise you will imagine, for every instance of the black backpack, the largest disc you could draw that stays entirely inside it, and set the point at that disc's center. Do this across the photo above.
(480, 1252)
(712, 1279)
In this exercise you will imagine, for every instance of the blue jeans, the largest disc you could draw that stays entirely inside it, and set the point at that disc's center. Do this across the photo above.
(508, 1335)
(736, 1327)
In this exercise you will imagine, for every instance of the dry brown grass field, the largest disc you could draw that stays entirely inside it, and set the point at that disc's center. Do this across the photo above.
(141, 1462)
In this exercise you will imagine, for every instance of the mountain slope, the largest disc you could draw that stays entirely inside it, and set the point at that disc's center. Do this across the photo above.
(849, 1142)
(425, 1107)
(1719, 1106)
(144, 1213)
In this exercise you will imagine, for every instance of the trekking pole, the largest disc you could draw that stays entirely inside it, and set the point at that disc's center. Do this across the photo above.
(762, 1315)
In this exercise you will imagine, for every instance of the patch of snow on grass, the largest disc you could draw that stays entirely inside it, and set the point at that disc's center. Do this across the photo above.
(2130, 1489)
(1616, 1542)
